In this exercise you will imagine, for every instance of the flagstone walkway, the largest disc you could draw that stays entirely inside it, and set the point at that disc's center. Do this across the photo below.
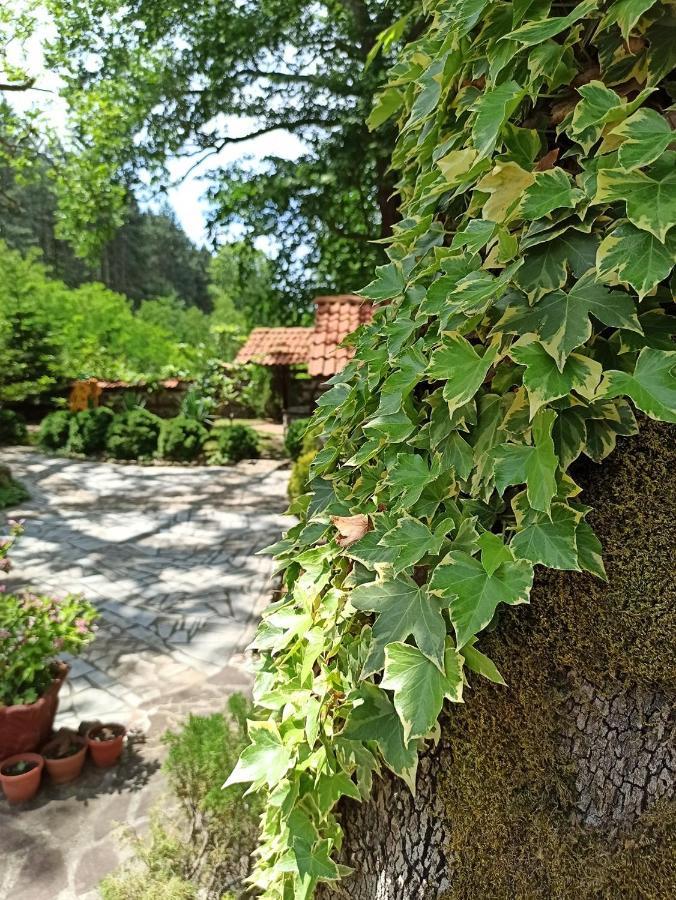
(168, 556)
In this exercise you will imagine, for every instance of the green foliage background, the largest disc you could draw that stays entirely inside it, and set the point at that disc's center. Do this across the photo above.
(524, 312)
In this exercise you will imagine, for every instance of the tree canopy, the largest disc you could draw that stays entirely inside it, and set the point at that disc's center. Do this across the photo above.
(146, 83)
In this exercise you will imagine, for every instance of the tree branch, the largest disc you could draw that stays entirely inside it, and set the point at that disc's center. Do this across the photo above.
(21, 86)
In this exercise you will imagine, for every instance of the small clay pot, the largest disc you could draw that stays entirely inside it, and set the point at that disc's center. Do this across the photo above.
(106, 752)
(64, 769)
(23, 787)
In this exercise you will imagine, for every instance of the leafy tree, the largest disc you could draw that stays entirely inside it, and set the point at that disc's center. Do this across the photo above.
(242, 291)
(524, 317)
(145, 83)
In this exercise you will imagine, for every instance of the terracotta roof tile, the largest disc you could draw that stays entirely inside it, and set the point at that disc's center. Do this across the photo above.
(336, 317)
(276, 346)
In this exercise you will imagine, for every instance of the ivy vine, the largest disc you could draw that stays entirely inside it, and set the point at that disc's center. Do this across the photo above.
(522, 315)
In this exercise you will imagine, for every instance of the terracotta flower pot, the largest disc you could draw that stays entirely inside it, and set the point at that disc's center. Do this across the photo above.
(63, 769)
(26, 726)
(106, 751)
(23, 787)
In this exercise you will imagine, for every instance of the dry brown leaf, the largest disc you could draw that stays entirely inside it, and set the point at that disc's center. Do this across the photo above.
(350, 528)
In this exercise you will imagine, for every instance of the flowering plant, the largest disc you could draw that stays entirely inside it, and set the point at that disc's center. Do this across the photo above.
(33, 630)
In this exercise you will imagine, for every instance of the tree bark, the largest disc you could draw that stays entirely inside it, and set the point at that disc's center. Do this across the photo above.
(562, 783)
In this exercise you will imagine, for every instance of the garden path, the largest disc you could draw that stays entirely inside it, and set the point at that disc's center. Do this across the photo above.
(168, 556)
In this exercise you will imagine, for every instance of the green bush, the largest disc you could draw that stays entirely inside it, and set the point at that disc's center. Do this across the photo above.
(11, 491)
(133, 434)
(233, 443)
(206, 850)
(55, 430)
(181, 439)
(88, 430)
(300, 474)
(293, 439)
(12, 428)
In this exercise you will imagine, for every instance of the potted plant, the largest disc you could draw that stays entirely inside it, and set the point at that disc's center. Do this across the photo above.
(34, 629)
(65, 755)
(105, 743)
(20, 776)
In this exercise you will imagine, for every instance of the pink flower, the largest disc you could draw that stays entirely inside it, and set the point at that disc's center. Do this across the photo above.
(81, 626)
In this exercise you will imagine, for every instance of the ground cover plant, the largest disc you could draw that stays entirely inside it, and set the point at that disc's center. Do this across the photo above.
(206, 851)
(523, 317)
(12, 492)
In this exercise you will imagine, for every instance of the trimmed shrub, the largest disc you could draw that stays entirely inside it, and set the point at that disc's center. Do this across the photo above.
(12, 428)
(233, 443)
(300, 474)
(133, 434)
(293, 439)
(181, 439)
(55, 430)
(88, 430)
(11, 491)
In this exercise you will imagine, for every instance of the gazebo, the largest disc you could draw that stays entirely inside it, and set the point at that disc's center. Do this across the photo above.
(318, 348)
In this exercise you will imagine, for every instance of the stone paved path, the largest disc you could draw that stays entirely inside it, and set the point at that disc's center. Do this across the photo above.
(167, 554)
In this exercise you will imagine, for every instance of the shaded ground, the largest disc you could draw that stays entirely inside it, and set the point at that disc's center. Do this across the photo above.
(167, 554)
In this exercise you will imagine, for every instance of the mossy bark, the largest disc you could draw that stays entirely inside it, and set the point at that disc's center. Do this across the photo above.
(561, 784)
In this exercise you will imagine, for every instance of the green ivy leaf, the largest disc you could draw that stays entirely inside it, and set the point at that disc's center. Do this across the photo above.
(551, 541)
(473, 595)
(545, 382)
(413, 540)
(650, 201)
(561, 320)
(636, 258)
(376, 719)
(536, 32)
(409, 478)
(404, 610)
(491, 111)
(494, 551)
(646, 136)
(652, 387)
(589, 550)
(464, 371)
(265, 759)
(536, 465)
(420, 687)
(480, 663)
(551, 190)
(389, 282)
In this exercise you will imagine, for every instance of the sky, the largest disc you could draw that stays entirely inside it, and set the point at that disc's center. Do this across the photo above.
(186, 196)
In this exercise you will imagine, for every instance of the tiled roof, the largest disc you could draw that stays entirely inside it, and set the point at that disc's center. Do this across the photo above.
(276, 346)
(336, 317)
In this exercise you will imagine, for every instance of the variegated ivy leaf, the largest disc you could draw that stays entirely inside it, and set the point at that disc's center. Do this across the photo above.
(412, 540)
(494, 551)
(375, 719)
(505, 185)
(266, 758)
(536, 32)
(551, 190)
(545, 382)
(473, 595)
(598, 105)
(420, 687)
(652, 387)
(650, 197)
(536, 465)
(636, 257)
(409, 478)
(550, 540)
(458, 364)
(491, 110)
(561, 320)
(404, 610)
(646, 135)
(389, 282)
(626, 14)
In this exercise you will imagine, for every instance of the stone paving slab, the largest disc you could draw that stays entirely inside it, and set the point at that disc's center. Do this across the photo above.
(168, 556)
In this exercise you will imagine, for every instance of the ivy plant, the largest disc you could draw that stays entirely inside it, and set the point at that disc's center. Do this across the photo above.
(522, 318)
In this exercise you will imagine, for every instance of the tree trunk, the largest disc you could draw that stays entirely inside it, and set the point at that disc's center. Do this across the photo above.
(561, 784)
